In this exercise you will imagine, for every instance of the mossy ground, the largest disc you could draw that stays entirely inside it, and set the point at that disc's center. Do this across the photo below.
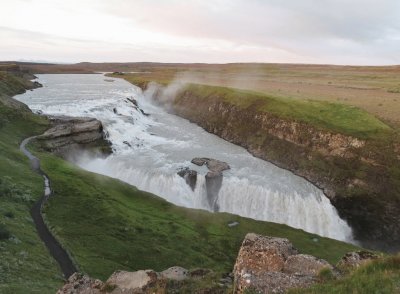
(334, 117)
(380, 276)
(109, 225)
(25, 264)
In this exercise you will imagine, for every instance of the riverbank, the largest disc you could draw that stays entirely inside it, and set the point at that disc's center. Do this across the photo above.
(25, 264)
(347, 152)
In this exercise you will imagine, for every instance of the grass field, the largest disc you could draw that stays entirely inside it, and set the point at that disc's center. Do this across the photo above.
(381, 276)
(374, 89)
(109, 225)
(321, 114)
(25, 264)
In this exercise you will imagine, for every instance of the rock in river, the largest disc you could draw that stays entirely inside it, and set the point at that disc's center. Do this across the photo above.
(190, 177)
(213, 178)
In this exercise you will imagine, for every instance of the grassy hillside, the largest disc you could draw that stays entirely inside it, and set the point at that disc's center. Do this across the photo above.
(380, 276)
(109, 225)
(328, 116)
(25, 265)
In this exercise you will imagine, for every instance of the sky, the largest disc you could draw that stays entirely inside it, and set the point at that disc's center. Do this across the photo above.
(360, 32)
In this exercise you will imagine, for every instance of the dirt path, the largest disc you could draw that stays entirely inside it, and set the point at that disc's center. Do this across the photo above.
(56, 250)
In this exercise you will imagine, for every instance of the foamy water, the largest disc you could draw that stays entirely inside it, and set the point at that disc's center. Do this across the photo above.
(148, 151)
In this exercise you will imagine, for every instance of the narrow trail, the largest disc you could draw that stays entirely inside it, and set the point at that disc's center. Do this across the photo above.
(56, 250)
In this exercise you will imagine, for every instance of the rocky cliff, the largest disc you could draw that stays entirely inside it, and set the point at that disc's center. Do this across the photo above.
(359, 175)
(71, 134)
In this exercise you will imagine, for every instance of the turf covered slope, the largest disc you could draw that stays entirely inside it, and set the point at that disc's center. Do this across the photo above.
(108, 225)
(379, 276)
(25, 264)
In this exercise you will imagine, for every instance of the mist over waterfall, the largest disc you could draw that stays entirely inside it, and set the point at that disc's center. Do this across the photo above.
(151, 145)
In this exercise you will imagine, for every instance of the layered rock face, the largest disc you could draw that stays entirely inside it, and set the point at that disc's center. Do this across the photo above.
(273, 265)
(70, 134)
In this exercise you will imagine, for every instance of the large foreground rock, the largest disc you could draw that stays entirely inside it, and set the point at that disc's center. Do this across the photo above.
(71, 133)
(273, 265)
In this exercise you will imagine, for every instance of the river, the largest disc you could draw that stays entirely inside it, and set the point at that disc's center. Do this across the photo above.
(150, 149)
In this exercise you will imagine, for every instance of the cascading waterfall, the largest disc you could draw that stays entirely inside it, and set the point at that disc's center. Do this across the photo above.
(149, 150)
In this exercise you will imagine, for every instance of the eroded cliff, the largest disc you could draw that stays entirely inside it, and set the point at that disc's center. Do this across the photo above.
(359, 174)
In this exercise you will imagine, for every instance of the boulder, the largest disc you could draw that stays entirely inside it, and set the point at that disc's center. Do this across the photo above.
(303, 264)
(272, 265)
(71, 133)
(213, 178)
(355, 259)
(259, 254)
(190, 177)
(213, 165)
(175, 273)
(200, 161)
(143, 281)
(274, 282)
(81, 284)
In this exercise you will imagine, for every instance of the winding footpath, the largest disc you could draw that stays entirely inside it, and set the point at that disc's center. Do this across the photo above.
(56, 250)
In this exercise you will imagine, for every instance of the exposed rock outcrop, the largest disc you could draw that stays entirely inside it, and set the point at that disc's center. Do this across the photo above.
(273, 265)
(355, 259)
(147, 281)
(81, 284)
(213, 165)
(175, 273)
(71, 133)
(303, 264)
(190, 177)
(213, 178)
(139, 282)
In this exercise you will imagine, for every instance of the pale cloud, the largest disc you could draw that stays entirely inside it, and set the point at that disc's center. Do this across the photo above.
(309, 31)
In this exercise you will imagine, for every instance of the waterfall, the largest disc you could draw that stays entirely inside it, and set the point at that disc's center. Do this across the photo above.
(150, 149)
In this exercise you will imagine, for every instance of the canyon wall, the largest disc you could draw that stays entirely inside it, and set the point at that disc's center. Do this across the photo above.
(358, 175)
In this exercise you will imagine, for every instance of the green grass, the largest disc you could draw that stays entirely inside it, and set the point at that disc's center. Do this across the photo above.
(380, 276)
(25, 264)
(108, 225)
(329, 116)
(11, 84)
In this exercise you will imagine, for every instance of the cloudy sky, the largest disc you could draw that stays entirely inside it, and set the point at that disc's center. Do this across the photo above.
(215, 31)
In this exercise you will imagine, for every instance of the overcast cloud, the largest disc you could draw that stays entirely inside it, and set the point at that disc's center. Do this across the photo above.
(304, 31)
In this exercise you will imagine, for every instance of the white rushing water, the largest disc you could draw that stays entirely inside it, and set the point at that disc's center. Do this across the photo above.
(148, 151)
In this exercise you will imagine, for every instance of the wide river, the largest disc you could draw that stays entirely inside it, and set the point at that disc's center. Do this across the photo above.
(149, 150)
